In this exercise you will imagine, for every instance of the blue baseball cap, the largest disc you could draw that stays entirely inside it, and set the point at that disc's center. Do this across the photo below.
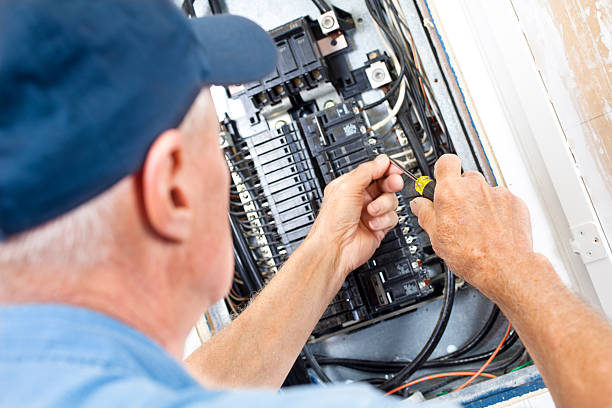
(87, 86)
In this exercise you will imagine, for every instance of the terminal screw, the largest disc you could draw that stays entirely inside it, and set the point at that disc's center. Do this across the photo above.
(328, 21)
(379, 75)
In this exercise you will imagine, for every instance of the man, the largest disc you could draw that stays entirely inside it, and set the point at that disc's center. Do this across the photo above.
(113, 214)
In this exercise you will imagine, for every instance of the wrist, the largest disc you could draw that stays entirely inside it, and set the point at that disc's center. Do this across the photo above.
(323, 258)
(521, 280)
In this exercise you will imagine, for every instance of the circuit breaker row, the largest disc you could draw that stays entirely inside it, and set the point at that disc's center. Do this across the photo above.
(294, 163)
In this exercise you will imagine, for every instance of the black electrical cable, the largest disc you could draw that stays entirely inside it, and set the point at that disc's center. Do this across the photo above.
(235, 157)
(512, 338)
(245, 225)
(249, 212)
(373, 381)
(241, 270)
(241, 169)
(424, 118)
(477, 338)
(254, 200)
(415, 145)
(215, 7)
(439, 383)
(245, 254)
(322, 6)
(420, 75)
(447, 306)
(314, 364)
(493, 368)
(376, 10)
(250, 187)
(188, 8)
(381, 366)
(400, 76)
(259, 234)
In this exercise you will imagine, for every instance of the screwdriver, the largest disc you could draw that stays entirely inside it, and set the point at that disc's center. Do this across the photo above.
(424, 185)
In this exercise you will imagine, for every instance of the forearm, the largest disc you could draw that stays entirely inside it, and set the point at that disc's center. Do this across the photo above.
(260, 346)
(570, 344)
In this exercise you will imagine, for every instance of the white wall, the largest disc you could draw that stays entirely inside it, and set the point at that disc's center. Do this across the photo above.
(513, 114)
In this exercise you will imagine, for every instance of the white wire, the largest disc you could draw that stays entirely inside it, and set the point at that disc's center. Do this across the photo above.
(395, 25)
(402, 91)
(401, 16)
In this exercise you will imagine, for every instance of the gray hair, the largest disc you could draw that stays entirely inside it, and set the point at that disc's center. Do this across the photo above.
(79, 237)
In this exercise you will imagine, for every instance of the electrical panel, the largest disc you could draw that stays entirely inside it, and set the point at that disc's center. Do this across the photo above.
(340, 95)
(281, 172)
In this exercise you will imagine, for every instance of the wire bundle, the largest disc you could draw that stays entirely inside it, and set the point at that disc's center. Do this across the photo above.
(414, 102)
(257, 245)
(447, 360)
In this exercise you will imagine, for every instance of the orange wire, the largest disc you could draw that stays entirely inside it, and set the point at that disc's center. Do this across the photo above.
(440, 375)
(485, 365)
(416, 65)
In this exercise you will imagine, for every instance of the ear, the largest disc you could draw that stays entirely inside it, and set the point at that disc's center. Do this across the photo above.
(164, 186)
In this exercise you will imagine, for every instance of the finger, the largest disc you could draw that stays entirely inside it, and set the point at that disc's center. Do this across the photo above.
(424, 210)
(384, 221)
(447, 166)
(367, 172)
(383, 204)
(380, 235)
(472, 174)
(390, 184)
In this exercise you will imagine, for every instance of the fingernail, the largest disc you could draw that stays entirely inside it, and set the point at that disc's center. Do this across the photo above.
(413, 207)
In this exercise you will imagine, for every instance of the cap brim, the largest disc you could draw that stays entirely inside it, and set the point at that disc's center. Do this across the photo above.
(237, 49)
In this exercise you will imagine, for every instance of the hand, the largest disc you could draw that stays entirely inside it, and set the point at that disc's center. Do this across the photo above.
(482, 232)
(357, 212)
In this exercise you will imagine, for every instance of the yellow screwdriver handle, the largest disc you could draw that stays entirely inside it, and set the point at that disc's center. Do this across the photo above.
(425, 186)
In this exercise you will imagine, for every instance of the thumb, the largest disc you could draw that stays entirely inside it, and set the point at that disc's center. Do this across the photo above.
(424, 210)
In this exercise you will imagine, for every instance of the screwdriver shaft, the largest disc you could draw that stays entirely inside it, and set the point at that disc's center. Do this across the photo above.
(403, 169)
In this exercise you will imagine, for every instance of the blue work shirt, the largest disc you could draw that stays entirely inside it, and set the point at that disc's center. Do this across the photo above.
(64, 356)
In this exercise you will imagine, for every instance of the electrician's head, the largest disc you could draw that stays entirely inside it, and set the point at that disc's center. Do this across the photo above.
(112, 182)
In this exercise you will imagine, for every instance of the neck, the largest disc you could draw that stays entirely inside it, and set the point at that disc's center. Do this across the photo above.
(139, 302)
